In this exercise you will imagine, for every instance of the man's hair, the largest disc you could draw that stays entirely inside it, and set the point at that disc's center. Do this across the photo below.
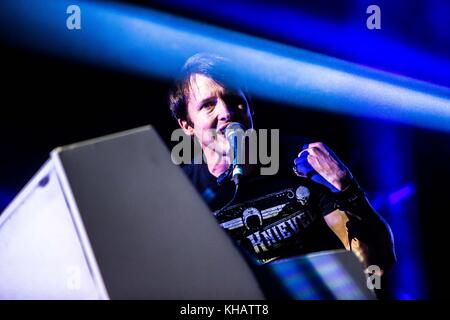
(212, 66)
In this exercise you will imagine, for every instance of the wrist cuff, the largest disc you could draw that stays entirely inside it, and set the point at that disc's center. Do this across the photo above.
(351, 197)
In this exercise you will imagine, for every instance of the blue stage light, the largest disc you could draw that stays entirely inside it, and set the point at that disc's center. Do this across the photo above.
(156, 44)
(347, 37)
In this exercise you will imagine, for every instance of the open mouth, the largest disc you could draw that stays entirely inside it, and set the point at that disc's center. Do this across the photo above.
(221, 129)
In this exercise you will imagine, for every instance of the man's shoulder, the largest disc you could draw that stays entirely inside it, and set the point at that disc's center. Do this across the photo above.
(190, 168)
(199, 175)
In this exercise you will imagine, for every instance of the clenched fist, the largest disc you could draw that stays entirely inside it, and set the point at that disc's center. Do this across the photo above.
(316, 158)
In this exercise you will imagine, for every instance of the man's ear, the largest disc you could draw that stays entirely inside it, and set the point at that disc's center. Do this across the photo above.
(186, 126)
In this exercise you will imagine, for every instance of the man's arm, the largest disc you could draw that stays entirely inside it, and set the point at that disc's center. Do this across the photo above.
(355, 222)
(337, 221)
(364, 232)
(367, 226)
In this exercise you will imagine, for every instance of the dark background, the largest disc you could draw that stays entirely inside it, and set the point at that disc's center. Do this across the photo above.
(48, 101)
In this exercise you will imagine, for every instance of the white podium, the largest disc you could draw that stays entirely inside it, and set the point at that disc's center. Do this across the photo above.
(113, 218)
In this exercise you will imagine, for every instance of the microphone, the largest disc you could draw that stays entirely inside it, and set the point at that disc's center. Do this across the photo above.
(234, 134)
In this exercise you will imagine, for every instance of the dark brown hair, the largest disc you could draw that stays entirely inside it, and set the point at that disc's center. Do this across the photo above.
(213, 66)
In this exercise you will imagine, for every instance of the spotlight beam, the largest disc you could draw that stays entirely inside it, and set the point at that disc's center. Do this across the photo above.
(149, 42)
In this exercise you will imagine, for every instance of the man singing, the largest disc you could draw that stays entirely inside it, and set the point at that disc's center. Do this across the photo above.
(317, 206)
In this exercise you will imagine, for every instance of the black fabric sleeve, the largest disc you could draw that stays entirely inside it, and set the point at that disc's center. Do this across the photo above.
(364, 224)
(367, 225)
(325, 198)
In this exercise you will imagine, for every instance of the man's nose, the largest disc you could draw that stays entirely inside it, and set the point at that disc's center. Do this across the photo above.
(224, 111)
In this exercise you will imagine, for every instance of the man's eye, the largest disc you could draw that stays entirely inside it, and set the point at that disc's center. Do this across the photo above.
(208, 105)
(236, 101)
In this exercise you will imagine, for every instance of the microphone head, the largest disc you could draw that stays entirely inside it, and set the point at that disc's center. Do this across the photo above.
(231, 129)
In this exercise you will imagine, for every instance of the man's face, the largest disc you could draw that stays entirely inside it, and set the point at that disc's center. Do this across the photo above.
(210, 108)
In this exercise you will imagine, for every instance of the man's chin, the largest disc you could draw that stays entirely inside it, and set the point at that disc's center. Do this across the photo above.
(220, 150)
